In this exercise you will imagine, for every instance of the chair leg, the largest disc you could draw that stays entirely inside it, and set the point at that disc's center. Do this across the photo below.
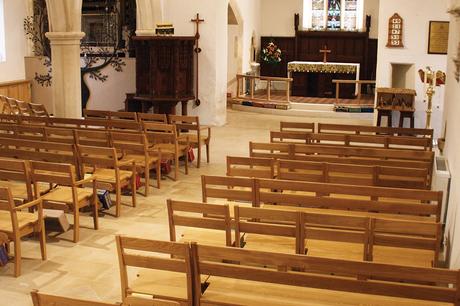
(147, 180)
(158, 173)
(76, 225)
(42, 238)
(186, 163)
(118, 200)
(198, 162)
(133, 189)
(95, 213)
(207, 152)
(17, 256)
(176, 167)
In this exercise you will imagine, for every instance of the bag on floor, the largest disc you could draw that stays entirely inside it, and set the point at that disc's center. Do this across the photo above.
(3, 255)
(165, 166)
(138, 182)
(104, 198)
(190, 155)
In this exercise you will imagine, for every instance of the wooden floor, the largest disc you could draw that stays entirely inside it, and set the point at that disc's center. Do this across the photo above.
(279, 97)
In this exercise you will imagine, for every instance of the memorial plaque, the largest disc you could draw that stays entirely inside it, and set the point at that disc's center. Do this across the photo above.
(439, 37)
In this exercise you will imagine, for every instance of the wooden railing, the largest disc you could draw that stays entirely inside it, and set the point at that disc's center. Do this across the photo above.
(20, 90)
(241, 89)
(358, 83)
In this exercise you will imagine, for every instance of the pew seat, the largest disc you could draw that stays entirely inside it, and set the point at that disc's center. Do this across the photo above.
(267, 243)
(222, 290)
(25, 219)
(160, 284)
(203, 235)
(64, 194)
(334, 249)
(108, 175)
(403, 257)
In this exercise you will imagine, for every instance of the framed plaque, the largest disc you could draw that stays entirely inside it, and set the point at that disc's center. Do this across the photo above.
(438, 37)
(395, 32)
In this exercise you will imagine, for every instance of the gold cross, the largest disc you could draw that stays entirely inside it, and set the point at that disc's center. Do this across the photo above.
(197, 20)
(325, 51)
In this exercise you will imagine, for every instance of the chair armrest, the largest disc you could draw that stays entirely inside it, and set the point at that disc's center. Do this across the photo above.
(126, 162)
(37, 203)
(90, 179)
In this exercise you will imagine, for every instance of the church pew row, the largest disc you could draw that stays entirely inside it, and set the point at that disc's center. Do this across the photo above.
(196, 274)
(347, 155)
(351, 140)
(397, 203)
(373, 130)
(324, 172)
(411, 243)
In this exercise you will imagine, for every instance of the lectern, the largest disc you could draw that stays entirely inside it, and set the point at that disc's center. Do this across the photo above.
(164, 74)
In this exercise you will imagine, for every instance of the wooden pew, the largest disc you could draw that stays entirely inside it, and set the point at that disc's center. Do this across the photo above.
(373, 130)
(205, 223)
(255, 279)
(251, 167)
(306, 127)
(350, 140)
(385, 202)
(159, 277)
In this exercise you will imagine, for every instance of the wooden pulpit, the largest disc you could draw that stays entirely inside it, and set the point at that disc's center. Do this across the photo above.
(164, 74)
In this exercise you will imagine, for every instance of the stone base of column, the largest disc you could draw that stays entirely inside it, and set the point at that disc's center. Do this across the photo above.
(66, 82)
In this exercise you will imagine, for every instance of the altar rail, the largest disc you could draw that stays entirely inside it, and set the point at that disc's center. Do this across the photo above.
(358, 83)
(241, 92)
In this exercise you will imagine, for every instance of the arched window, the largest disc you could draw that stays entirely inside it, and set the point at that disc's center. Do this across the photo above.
(344, 15)
(2, 34)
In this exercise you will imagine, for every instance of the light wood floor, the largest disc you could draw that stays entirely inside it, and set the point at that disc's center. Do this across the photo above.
(89, 269)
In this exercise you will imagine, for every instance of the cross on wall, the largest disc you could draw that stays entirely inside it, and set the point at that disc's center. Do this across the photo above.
(325, 52)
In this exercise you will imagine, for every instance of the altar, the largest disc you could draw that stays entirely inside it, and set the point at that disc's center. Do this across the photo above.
(316, 78)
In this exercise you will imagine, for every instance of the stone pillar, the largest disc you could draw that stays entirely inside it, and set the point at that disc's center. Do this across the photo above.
(149, 13)
(65, 36)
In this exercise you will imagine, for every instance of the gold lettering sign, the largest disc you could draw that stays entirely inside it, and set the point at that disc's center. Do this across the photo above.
(438, 37)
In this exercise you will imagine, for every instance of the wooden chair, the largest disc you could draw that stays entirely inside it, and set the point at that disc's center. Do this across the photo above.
(163, 137)
(134, 146)
(28, 132)
(247, 277)
(96, 114)
(13, 106)
(154, 118)
(39, 110)
(304, 127)
(17, 223)
(372, 130)
(267, 230)
(103, 163)
(160, 277)
(92, 138)
(5, 109)
(405, 242)
(14, 174)
(24, 108)
(68, 195)
(41, 299)
(130, 116)
(205, 223)
(60, 135)
(190, 130)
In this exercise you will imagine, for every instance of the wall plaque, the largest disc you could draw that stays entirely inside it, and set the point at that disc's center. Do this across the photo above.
(439, 37)
(395, 32)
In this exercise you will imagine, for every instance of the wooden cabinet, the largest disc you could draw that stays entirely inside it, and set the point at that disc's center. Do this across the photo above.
(164, 73)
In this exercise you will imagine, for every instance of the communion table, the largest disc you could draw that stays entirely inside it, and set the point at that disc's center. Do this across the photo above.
(319, 75)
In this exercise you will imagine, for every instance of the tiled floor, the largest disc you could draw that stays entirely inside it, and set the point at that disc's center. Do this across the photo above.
(89, 269)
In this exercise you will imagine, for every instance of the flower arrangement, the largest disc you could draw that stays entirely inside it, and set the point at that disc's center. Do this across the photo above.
(271, 54)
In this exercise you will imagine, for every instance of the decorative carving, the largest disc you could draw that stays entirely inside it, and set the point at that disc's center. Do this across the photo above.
(395, 32)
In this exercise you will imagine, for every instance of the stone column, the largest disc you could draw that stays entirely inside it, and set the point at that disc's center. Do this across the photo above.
(149, 13)
(65, 36)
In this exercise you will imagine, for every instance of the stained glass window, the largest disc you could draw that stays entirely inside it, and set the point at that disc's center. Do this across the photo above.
(344, 15)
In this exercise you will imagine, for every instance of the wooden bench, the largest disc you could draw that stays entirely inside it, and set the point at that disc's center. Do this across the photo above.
(396, 202)
(373, 130)
(204, 223)
(239, 276)
(307, 127)
(382, 176)
(165, 278)
(351, 140)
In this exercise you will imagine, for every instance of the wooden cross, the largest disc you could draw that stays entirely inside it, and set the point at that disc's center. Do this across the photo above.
(325, 51)
(197, 20)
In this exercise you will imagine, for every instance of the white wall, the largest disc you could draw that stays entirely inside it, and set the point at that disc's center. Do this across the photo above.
(278, 16)
(452, 114)
(15, 42)
(416, 16)
(213, 58)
